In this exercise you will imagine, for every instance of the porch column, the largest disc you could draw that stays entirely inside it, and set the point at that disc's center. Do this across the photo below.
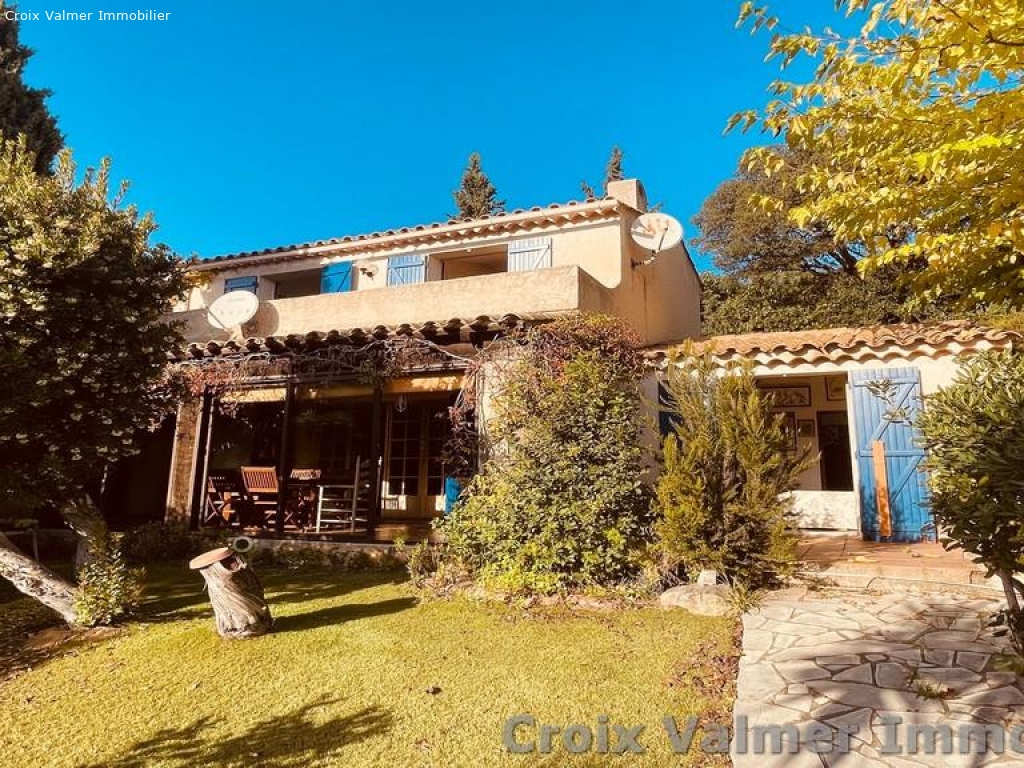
(284, 461)
(376, 440)
(184, 461)
(202, 460)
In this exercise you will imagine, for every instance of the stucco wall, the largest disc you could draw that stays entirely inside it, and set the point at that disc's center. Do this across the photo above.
(826, 510)
(554, 290)
(591, 271)
(593, 246)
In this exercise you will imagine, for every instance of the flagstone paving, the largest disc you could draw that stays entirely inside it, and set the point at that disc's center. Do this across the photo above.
(829, 664)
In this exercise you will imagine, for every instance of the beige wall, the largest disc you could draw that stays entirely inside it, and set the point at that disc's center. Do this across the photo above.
(591, 271)
(555, 290)
(593, 246)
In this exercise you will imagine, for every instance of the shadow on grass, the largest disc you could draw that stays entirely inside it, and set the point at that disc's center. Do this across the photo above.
(174, 594)
(293, 739)
(339, 614)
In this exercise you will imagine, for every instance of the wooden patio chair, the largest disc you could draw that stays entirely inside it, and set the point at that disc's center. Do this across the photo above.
(261, 490)
(346, 503)
(221, 495)
(302, 496)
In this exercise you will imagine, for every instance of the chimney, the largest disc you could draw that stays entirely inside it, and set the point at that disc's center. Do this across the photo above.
(629, 191)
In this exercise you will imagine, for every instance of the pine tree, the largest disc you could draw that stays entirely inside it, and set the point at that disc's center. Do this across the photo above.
(23, 109)
(613, 171)
(476, 196)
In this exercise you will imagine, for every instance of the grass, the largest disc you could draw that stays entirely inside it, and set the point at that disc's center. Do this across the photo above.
(359, 672)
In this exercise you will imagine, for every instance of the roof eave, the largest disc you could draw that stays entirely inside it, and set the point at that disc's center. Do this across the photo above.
(417, 235)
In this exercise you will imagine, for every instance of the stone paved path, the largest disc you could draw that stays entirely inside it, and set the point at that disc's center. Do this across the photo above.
(823, 663)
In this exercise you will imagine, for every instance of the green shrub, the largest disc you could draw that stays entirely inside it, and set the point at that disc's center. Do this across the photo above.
(107, 588)
(973, 431)
(727, 468)
(164, 541)
(157, 542)
(295, 557)
(560, 504)
(423, 562)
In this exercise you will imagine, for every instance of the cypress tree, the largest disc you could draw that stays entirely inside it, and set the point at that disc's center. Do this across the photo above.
(613, 171)
(23, 109)
(476, 195)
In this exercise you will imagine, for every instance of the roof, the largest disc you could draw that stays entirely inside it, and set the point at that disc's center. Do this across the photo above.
(444, 332)
(427, 234)
(840, 344)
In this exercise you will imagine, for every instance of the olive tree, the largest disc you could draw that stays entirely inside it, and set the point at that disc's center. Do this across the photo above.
(973, 431)
(83, 346)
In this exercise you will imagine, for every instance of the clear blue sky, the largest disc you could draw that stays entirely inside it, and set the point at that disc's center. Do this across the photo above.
(245, 125)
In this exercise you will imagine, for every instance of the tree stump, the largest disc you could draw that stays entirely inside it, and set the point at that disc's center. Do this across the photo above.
(235, 593)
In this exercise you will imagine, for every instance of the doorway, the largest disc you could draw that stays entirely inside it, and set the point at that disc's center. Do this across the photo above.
(414, 478)
(834, 443)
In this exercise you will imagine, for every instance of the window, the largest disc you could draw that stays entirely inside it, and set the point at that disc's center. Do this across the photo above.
(336, 278)
(241, 284)
(487, 260)
(404, 270)
(531, 253)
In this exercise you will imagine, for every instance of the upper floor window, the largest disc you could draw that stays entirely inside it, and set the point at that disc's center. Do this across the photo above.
(241, 284)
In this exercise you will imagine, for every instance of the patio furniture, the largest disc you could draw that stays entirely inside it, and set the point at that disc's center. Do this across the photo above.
(302, 496)
(261, 490)
(221, 492)
(346, 503)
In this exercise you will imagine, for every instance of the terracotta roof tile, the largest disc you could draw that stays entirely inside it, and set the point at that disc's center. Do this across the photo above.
(453, 330)
(505, 219)
(838, 343)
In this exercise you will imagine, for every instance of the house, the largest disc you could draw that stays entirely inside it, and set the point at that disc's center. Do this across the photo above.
(849, 396)
(297, 394)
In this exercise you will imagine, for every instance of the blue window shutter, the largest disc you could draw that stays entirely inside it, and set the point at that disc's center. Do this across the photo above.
(336, 278)
(248, 283)
(530, 253)
(405, 270)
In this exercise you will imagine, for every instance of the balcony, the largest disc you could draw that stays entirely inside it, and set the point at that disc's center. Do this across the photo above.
(542, 291)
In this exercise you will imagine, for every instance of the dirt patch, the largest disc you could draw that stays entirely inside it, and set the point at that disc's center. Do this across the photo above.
(31, 634)
(712, 672)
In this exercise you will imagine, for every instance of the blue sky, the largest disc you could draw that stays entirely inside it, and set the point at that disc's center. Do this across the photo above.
(245, 125)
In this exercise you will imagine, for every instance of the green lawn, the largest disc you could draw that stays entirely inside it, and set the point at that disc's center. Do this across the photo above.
(344, 679)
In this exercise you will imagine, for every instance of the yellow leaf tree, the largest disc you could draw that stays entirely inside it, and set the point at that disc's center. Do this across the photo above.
(918, 124)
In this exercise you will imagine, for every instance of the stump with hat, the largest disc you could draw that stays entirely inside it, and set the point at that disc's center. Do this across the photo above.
(235, 593)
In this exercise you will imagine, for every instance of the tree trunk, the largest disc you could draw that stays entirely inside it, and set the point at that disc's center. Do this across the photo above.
(36, 581)
(237, 598)
(1006, 579)
(86, 520)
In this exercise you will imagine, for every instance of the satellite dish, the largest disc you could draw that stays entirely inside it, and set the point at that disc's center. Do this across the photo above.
(232, 309)
(656, 232)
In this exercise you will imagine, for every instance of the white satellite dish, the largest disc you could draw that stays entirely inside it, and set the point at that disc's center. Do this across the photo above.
(656, 232)
(233, 309)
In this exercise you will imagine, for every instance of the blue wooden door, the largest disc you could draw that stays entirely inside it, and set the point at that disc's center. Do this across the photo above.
(886, 402)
